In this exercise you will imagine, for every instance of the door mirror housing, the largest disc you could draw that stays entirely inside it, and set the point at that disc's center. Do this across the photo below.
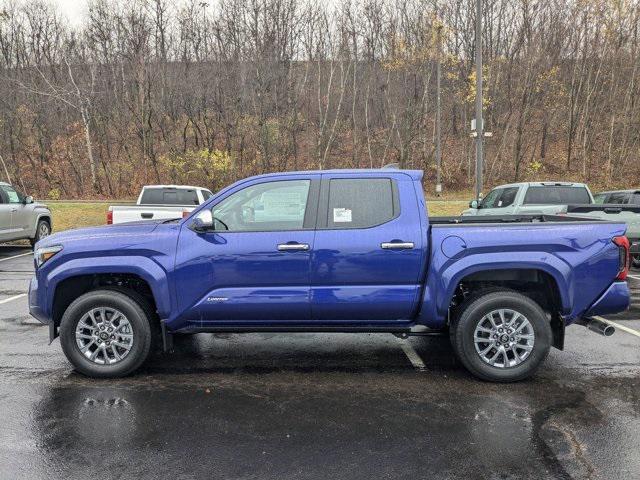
(203, 222)
(473, 204)
(28, 199)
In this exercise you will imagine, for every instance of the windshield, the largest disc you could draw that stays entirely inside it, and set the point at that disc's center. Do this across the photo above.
(556, 195)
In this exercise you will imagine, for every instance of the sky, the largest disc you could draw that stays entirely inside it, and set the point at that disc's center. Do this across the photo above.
(74, 10)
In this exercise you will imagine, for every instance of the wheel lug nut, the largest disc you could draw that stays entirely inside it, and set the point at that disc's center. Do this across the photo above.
(499, 330)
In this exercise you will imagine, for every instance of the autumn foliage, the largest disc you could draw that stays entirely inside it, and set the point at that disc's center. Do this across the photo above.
(204, 93)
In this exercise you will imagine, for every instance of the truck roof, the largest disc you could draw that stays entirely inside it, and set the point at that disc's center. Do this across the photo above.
(414, 174)
(543, 184)
(632, 190)
(185, 187)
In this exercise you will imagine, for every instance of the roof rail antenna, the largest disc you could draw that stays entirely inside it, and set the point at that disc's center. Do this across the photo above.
(391, 166)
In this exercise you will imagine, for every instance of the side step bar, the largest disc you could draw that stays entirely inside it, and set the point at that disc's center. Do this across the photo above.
(400, 332)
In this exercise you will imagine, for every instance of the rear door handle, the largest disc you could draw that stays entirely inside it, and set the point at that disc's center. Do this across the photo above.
(291, 247)
(397, 245)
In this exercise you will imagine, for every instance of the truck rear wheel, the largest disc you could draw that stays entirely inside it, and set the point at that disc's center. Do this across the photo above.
(501, 336)
(105, 334)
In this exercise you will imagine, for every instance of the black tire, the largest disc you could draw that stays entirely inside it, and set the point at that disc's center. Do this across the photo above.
(472, 311)
(137, 317)
(43, 225)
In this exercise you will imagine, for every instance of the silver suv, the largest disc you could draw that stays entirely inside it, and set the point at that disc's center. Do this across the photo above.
(21, 218)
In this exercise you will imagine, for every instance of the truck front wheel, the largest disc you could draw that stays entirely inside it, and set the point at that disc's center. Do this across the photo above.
(105, 334)
(501, 336)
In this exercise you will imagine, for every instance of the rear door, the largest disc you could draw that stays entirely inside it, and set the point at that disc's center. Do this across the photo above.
(368, 250)
(5, 217)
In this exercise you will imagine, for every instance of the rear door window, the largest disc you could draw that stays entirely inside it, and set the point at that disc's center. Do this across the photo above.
(169, 196)
(619, 198)
(556, 195)
(360, 202)
(635, 199)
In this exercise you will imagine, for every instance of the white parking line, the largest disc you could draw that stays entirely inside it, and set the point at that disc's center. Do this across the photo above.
(635, 277)
(621, 327)
(10, 299)
(413, 356)
(15, 256)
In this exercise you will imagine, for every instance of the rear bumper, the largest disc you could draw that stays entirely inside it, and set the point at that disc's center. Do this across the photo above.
(615, 299)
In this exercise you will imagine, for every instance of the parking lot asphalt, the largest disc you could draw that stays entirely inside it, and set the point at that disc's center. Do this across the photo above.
(314, 406)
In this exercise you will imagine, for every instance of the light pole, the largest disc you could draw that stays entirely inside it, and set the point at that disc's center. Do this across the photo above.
(479, 119)
(438, 109)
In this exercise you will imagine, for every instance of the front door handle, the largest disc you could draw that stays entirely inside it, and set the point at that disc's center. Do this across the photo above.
(397, 245)
(291, 247)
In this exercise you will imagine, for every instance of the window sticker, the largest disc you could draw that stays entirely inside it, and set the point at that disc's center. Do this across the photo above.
(342, 215)
(279, 204)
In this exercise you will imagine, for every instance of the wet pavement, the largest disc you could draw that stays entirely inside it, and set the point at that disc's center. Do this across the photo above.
(310, 406)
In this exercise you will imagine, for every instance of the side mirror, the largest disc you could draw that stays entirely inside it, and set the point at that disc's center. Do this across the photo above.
(473, 204)
(28, 199)
(203, 222)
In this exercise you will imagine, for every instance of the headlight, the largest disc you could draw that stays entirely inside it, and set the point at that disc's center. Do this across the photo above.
(41, 255)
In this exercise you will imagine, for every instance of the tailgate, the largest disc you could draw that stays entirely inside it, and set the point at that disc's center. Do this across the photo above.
(138, 213)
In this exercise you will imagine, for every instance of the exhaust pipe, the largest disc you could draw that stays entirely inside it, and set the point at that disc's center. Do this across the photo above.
(598, 326)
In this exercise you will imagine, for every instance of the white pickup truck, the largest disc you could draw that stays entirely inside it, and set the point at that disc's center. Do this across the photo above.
(159, 202)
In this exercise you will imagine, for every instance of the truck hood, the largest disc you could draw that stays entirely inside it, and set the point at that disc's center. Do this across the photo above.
(121, 232)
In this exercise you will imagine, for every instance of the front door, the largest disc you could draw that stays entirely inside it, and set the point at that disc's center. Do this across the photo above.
(254, 267)
(368, 251)
(22, 217)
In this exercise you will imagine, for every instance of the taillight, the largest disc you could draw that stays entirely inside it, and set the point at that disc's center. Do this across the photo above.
(185, 213)
(624, 256)
(109, 217)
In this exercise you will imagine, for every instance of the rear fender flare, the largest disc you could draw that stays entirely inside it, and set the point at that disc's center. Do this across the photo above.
(453, 273)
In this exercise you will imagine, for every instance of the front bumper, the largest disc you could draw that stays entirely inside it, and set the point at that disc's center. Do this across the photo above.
(615, 299)
(35, 307)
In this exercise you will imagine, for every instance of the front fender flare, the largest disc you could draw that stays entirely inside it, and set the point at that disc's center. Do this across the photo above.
(143, 267)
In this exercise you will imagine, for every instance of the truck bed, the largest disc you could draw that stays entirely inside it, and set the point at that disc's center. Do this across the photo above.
(493, 219)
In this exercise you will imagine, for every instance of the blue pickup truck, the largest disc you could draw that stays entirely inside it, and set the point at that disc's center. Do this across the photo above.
(330, 251)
